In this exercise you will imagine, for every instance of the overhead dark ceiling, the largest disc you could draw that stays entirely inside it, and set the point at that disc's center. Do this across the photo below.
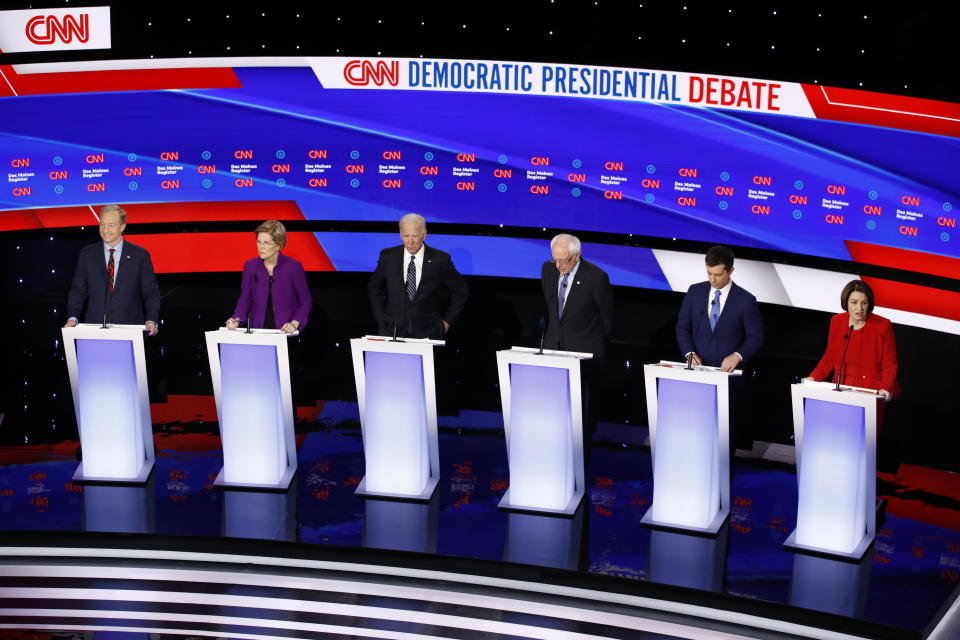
(902, 49)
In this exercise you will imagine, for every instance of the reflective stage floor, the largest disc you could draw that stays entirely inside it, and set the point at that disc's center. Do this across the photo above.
(179, 557)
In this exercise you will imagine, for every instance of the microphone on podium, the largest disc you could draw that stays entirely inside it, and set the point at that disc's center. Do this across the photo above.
(843, 358)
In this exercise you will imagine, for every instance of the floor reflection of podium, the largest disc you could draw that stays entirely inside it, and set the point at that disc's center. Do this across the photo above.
(120, 508)
(401, 525)
(546, 541)
(829, 585)
(688, 560)
(264, 515)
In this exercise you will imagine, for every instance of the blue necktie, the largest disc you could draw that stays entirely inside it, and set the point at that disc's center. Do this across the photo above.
(715, 310)
(563, 293)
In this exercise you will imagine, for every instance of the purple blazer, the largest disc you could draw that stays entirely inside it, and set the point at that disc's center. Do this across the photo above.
(291, 297)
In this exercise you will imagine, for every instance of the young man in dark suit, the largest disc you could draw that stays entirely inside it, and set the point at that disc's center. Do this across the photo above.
(415, 291)
(114, 277)
(580, 317)
(720, 326)
(719, 323)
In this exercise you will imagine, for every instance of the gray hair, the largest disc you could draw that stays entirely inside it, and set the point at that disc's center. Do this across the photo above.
(107, 208)
(415, 218)
(565, 238)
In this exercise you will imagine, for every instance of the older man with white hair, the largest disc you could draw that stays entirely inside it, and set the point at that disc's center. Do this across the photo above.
(580, 315)
(415, 291)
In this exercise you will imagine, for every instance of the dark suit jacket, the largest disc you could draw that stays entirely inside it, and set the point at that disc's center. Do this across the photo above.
(136, 294)
(739, 328)
(588, 314)
(441, 295)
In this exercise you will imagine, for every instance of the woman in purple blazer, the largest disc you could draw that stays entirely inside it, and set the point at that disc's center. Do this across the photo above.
(273, 291)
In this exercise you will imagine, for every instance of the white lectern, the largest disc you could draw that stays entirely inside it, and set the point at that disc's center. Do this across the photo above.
(543, 423)
(835, 435)
(108, 377)
(251, 383)
(397, 398)
(689, 415)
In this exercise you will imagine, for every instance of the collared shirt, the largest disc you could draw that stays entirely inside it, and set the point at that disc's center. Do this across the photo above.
(118, 251)
(570, 281)
(724, 294)
(417, 260)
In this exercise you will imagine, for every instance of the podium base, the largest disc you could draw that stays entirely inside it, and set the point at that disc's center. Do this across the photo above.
(282, 485)
(423, 496)
(81, 478)
(710, 530)
(855, 555)
(569, 510)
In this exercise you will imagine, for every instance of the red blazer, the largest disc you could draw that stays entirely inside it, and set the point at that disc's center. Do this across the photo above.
(871, 360)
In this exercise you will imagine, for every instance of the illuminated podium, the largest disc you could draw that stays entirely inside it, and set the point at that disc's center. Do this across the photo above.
(397, 398)
(250, 372)
(835, 434)
(689, 414)
(108, 378)
(543, 423)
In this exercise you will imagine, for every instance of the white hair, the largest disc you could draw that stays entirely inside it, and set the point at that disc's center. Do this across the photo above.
(414, 218)
(573, 242)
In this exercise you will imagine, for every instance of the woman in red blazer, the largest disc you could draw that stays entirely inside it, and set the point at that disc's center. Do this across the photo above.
(871, 359)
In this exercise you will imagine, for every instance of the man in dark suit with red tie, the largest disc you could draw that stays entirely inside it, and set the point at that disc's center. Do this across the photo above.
(416, 291)
(114, 278)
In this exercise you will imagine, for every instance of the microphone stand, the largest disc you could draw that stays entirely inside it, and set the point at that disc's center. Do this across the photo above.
(107, 297)
(843, 358)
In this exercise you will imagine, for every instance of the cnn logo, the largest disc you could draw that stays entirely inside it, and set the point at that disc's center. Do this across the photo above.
(47, 29)
(361, 73)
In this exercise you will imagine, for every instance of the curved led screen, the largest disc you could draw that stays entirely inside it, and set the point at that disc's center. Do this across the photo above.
(796, 168)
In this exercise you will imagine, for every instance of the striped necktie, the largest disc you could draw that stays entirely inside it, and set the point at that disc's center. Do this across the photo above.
(715, 310)
(111, 269)
(563, 293)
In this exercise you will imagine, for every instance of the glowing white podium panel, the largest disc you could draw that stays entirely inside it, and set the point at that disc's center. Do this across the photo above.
(689, 414)
(397, 398)
(543, 423)
(251, 383)
(835, 434)
(108, 377)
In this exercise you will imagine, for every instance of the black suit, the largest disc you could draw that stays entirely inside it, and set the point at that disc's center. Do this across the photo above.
(440, 297)
(588, 313)
(136, 294)
(585, 326)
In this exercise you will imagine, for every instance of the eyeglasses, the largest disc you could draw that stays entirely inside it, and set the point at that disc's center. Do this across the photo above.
(564, 261)
(268, 243)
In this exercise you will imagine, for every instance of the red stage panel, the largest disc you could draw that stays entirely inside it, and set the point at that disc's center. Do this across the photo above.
(884, 110)
(124, 80)
(253, 210)
(205, 252)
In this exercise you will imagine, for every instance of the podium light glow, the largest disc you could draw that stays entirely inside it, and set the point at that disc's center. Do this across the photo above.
(251, 420)
(829, 515)
(107, 389)
(395, 424)
(541, 473)
(686, 491)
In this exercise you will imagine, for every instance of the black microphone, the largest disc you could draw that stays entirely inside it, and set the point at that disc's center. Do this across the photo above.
(543, 332)
(843, 358)
(249, 328)
(394, 338)
(690, 361)
(106, 298)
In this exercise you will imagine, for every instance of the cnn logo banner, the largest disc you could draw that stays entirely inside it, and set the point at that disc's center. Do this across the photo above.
(55, 29)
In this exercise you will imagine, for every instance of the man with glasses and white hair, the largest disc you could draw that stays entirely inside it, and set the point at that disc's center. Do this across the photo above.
(580, 315)
(415, 291)
(580, 311)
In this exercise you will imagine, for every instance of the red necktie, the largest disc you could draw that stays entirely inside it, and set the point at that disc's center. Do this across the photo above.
(110, 269)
